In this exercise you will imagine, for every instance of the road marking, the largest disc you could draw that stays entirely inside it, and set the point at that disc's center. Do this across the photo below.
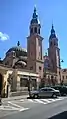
(7, 109)
(17, 107)
(52, 100)
(3, 107)
(58, 99)
(30, 100)
(14, 112)
(62, 97)
(46, 100)
(23, 109)
(21, 100)
(14, 104)
(39, 101)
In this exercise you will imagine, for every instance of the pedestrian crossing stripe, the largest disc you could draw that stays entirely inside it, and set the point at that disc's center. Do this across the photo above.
(12, 106)
(7, 108)
(42, 101)
(39, 101)
(30, 100)
(48, 101)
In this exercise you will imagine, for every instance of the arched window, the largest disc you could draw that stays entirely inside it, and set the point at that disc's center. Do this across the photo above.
(39, 30)
(31, 31)
(51, 43)
(35, 29)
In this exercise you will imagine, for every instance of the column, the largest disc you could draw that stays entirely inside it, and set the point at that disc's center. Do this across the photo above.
(38, 82)
(18, 83)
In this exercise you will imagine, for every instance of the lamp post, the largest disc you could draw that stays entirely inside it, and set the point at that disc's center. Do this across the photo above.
(61, 61)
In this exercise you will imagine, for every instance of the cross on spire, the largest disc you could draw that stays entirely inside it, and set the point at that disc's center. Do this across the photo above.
(52, 30)
(18, 43)
(35, 8)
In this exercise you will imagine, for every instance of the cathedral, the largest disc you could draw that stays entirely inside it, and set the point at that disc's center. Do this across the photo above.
(22, 66)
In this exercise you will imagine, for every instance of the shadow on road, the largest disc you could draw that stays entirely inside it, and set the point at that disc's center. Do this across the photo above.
(62, 115)
(42, 98)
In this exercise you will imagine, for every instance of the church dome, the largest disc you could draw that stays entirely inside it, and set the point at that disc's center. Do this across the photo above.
(18, 50)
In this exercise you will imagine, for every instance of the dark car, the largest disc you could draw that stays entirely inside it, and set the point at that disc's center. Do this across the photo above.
(62, 89)
(45, 92)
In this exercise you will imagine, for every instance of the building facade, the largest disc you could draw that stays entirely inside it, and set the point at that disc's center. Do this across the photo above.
(16, 80)
(64, 76)
(21, 67)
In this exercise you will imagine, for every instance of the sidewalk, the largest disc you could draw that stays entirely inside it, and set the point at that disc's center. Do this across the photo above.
(15, 98)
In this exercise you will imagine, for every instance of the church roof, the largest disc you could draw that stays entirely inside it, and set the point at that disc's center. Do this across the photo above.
(18, 50)
(52, 35)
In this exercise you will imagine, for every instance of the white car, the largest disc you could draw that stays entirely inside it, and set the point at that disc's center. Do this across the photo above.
(45, 92)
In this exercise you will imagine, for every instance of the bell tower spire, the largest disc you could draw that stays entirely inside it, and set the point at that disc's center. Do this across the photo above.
(52, 30)
(53, 40)
(35, 23)
(35, 13)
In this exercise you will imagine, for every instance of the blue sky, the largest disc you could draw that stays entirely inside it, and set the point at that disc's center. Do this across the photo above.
(15, 16)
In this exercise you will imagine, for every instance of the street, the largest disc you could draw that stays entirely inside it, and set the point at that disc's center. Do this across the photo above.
(32, 108)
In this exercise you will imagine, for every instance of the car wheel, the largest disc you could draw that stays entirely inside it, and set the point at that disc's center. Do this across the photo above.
(65, 94)
(54, 95)
(36, 96)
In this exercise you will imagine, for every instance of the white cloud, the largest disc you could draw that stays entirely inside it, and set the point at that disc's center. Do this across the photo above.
(3, 36)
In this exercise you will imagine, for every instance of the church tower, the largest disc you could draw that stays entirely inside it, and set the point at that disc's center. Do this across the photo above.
(34, 46)
(54, 53)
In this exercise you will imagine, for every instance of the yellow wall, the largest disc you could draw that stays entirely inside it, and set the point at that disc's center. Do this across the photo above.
(15, 74)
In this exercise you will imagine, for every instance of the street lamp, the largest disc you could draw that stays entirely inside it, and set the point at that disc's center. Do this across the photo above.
(61, 61)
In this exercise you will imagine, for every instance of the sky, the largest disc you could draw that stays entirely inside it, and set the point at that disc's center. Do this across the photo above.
(15, 16)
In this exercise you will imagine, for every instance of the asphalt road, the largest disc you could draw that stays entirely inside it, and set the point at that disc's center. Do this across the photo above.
(38, 110)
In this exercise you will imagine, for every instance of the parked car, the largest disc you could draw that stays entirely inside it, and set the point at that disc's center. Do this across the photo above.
(62, 89)
(45, 92)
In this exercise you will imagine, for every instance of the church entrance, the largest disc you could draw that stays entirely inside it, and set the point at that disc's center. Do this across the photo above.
(1, 83)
